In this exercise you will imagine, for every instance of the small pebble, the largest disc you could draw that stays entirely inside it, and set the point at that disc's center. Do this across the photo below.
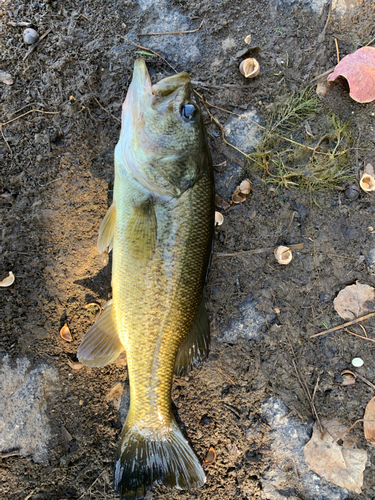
(352, 192)
(30, 36)
(357, 362)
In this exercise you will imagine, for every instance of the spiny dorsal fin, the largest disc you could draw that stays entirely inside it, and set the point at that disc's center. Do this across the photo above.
(141, 231)
(195, 347)
(101, 344)
(107, 230)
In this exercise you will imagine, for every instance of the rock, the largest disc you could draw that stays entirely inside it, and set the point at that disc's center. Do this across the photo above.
(23, 404)
(288, 438)
(161, 16)
(242, 132)
(249, 326)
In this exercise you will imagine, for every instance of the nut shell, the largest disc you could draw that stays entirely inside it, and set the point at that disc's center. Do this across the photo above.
(250, 68)
(367, 181)
(30, 36)
(245, 186)
(65, 333)
(283, 255)
(9, 280)
(219, 219)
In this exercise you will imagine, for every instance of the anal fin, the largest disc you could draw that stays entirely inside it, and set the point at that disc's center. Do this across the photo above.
(107, 230)
(101, 344)
(195, 347)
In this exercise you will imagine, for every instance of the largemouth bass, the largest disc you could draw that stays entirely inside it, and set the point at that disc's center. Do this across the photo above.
(160, 227)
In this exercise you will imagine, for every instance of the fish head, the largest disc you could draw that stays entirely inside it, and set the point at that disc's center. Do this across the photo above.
(162, 142)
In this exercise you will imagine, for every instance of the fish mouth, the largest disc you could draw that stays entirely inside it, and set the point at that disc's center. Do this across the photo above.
(142, 93)
(139, 93)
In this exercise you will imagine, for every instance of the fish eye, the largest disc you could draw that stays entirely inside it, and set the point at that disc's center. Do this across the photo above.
(188, 111)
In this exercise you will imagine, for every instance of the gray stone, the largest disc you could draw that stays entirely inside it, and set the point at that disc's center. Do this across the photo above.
(288, 437)
(162, 16)
(242, 132)
(249, 326)
(23, 420)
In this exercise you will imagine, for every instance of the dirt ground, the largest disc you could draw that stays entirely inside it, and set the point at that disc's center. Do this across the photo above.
(60, 123)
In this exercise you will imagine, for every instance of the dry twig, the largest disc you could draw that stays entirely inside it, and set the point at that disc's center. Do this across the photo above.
(337, 50)
(297, 246)
(150, 50)
(360, 336)
(344, 325)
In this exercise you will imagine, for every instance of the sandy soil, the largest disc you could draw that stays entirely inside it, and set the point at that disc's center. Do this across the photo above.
(59, 124)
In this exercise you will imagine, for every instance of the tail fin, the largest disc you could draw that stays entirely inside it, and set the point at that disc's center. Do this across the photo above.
(144, 459)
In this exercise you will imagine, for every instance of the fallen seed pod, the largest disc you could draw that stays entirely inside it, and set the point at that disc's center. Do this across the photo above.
(248, 39)
(348, 377)
(65, 333)
(245, 186)
(283, 255)
(220, 203)
(30, 36)
(94, 307)
(219, 219)
(75, 365)
(9, 280)
(367, 181)
(211, 456)
(238, 197)
(250, 68)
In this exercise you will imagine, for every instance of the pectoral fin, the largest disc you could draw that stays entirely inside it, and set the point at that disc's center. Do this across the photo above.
(141, 231)
(194, 348)
(101, 344)
(107, 230)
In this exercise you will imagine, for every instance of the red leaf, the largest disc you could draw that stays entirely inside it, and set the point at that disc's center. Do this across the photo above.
(359, 71)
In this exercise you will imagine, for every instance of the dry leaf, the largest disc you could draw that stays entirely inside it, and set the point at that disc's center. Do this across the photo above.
(341, 465)
(369, 421)
(355, 301)
(359, 71)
